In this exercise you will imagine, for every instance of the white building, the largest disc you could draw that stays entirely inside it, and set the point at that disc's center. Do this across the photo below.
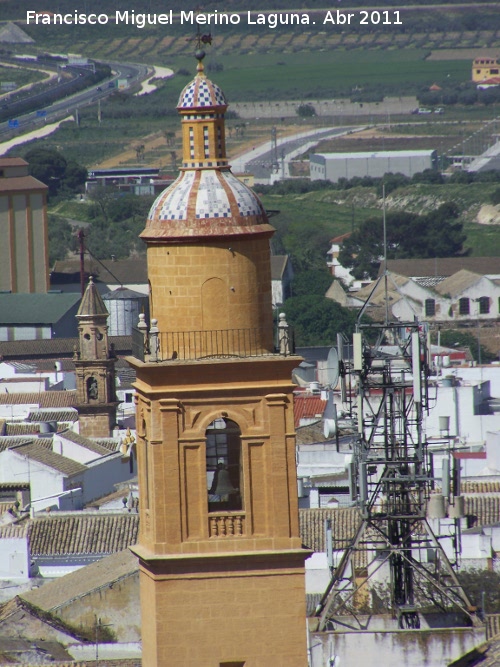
(333, 166)
(87, 470)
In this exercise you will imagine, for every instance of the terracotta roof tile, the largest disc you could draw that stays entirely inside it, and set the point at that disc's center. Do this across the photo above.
(9, 441)
(58, 415)
(14, 530)
(111, 444)
(307, 406)
(43, 399)
(83, 534)
(54, 348)
(42, 454)
(484, 509)
(345, 522)
(21, 428)
(95, 576)
(91, 445)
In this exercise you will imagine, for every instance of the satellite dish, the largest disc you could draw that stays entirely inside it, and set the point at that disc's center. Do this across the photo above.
(332, 368)
(329, 428)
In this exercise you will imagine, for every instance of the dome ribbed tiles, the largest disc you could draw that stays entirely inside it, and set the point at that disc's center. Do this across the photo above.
(201, 92)
(206, 196)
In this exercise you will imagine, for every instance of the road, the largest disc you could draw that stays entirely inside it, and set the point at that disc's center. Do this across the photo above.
(269, 164)
(133, 73)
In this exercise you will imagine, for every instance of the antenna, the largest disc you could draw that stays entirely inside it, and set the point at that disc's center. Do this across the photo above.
(391, 480)
(332, 368)
(384, 222)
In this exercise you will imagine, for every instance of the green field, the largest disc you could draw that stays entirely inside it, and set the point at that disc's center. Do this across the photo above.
(325, 75)
(20, 75)
(330, 213)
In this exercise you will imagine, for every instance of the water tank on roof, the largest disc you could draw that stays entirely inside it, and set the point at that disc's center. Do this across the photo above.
(124, 306)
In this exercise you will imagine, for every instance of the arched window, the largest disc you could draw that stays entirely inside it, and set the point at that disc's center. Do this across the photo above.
(92, 389)
(223, 452)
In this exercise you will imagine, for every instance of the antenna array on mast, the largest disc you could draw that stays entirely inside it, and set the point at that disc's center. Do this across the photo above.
(392, 481)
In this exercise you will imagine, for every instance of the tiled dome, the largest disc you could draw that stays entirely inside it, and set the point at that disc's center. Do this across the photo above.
(203, 203)
(201, 92)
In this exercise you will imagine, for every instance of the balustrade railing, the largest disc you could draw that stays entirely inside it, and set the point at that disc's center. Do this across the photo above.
(222, 524)
(155, 345)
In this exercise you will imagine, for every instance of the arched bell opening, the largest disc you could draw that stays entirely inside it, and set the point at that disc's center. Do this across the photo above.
(223, 466)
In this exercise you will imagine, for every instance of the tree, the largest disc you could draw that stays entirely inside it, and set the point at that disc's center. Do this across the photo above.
(60, 175)
(495, 197)
(48, 166)
(462, 339)
(306, 111)
(101, 197)
(61, 239)
(317, 320)
(482, 586)
(436, 234)
(313, 281)
(74, 177)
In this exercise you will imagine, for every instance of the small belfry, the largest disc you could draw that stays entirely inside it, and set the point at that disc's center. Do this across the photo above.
(220, 556)
(95, 367)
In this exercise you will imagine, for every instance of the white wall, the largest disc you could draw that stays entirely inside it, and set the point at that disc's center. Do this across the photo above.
(317, 573)
(14, 558)
(72, 450)
(392, 648)
(44, 481)
(461, 405)
(104, 473)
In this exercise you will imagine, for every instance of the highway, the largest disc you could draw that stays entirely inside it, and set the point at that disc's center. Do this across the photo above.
(132, 72)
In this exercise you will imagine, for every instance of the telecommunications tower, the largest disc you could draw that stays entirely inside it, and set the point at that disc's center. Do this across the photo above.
(385, 385)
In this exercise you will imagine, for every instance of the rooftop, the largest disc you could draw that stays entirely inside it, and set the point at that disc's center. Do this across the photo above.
(443, 266)
(35, 308)
(43, 399)
(82, 533)
(455, 284)
(104, 572)
(54, 348)
(364, 155)
(21, 183)
(50, 459)
(112, 272)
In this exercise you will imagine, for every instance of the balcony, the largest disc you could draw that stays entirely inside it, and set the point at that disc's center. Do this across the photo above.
(156, 346)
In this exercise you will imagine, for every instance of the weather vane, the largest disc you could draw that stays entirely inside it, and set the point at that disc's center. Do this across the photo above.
(202, 40)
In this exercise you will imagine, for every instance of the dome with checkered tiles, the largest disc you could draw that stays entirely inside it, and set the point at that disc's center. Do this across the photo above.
(206, 200)
(201, 93)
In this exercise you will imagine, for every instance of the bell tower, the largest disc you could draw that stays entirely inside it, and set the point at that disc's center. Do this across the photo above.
(221, 562)
(95, 368)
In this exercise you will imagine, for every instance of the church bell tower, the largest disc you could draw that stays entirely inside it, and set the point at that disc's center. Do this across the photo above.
(95, 368)
(220, 557)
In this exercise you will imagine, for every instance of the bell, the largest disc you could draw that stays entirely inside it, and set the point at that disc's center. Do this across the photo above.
(223, 486)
